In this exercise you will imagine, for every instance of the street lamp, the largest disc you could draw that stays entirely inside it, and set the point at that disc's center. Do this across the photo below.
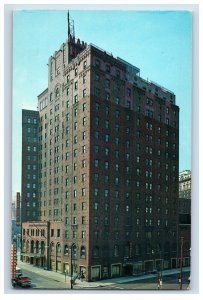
(161, 264)
(181, 263)
(65, 275)
(71, 265)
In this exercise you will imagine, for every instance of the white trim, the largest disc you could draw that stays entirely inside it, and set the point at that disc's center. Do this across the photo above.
(96, 266)
(117, 265)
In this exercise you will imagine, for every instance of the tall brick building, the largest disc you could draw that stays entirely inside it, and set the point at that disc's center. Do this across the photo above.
(108, 154)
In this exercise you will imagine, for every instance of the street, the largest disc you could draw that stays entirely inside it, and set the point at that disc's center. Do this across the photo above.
(170, 282)
(42, 279)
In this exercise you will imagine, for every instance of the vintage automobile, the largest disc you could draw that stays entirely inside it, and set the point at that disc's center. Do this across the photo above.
(21, 281)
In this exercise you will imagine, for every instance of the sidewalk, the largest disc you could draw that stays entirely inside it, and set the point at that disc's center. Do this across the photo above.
(101, 283)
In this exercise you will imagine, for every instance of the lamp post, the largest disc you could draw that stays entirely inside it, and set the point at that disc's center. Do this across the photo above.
(65, 275)
(71, 265)
(161, 264)
(181, 263)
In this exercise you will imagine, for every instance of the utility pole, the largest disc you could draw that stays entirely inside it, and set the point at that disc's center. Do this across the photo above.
(71, 266)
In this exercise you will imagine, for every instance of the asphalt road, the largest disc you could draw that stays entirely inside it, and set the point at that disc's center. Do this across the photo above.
(42, 282)
(170, 282)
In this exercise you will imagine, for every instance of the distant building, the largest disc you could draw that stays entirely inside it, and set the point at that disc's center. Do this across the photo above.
(105, 147)
(18, 212)
(16, 228)
(185, 184)
(30, 153)
(185, 213)
(13, 211)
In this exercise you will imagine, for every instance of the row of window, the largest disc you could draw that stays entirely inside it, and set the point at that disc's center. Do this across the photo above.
(30, 120)
(148, 112)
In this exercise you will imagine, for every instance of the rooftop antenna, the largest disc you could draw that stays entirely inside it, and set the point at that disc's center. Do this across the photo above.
(71, 28)
(68, 23)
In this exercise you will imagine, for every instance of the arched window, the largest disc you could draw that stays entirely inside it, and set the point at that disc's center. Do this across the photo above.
(52, 247)
(95, 252)
(32, 247)
(74, 251)
(37, 246)
(82, 252)
(66, 250)
(57, 92)
(24, 246)
(42, 247)
(27, 247)
(58, 248)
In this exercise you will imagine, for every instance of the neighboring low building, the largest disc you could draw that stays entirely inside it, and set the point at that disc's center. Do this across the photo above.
(185, 184)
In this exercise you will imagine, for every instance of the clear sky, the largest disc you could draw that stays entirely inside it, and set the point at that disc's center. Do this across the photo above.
(157, 42)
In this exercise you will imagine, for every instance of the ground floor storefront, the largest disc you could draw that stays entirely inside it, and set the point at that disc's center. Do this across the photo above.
(98, 271)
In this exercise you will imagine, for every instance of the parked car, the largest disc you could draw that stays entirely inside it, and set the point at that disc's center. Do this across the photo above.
(22, 281)
(18, 271)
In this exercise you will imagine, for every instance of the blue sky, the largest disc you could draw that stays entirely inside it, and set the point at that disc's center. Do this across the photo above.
(157, 42)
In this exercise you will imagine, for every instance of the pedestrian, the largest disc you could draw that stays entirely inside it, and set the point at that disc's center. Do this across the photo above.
(161, 283)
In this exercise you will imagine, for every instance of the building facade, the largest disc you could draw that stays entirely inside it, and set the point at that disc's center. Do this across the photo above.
(185, 184)
(29, 187)
(185, 178)
(108, 155)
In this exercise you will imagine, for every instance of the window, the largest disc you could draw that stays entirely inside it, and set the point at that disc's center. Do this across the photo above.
(97, 92)
(84, 107)
(106, 151)
(107, 96)
(83, 163)
(84, 93)
(83, 149)
(106, 165)
(97, 77)
(97, 62)
(75, 98)
(97, 106)
(108, 68)
(107, 83)
(106, 192)
(83, 192)
(96, 192)
(96, 163)
(96, 206)
(84, 135)
(106, 137)
(106, 124)
(84, 121)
